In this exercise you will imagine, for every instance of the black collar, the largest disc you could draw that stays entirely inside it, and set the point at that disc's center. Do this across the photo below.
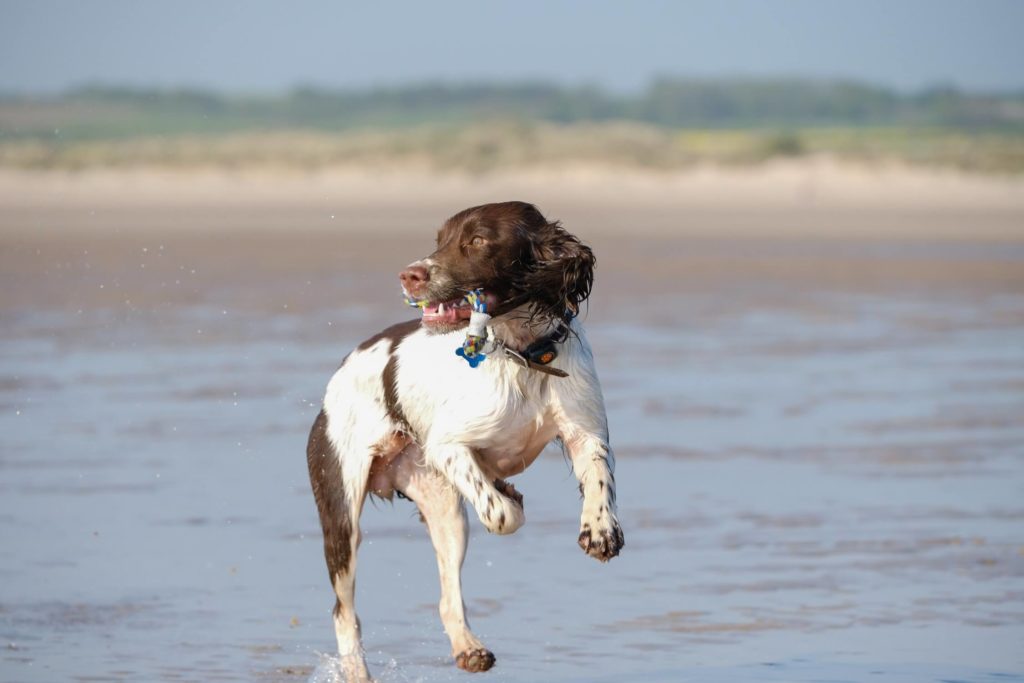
(539, 355)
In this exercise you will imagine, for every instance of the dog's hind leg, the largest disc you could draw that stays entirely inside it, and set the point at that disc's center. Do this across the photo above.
(445, 515)
(339, 500)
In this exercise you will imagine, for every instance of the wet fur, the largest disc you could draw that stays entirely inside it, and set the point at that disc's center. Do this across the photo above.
(404, 415)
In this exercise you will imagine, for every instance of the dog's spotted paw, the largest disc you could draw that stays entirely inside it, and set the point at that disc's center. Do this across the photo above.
(602, 542)
(503, 514)
(509, 491)
(475, 661)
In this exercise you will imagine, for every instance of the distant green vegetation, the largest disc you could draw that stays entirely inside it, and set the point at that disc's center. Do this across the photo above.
(497, 145)
(673, 123)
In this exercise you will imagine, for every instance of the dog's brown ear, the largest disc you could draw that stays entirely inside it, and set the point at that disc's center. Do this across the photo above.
(562, 273)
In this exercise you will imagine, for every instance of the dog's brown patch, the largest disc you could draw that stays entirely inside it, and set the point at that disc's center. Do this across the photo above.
(395, 334)
(325, 477)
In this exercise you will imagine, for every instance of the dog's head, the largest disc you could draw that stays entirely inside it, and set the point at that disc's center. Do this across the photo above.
(511, 252)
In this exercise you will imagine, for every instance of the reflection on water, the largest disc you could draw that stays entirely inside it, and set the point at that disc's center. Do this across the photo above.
(817, 482)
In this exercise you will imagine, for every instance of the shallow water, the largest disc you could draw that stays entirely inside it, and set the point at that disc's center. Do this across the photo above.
(821, 471)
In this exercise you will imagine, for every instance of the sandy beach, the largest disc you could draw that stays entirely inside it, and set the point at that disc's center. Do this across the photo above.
(814, 380)
(806, 317)
(817, 198)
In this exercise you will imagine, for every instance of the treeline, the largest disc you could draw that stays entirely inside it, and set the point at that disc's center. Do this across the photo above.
(100, 112)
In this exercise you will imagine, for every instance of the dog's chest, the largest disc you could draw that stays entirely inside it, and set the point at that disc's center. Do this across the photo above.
(498, 408)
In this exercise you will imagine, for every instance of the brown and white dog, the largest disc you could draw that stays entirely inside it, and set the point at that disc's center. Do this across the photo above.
(404, 414)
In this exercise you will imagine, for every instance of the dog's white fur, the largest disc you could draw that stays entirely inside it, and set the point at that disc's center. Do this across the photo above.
(464, 428)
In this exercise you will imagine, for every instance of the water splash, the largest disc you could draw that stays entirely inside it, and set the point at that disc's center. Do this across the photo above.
(329, 670)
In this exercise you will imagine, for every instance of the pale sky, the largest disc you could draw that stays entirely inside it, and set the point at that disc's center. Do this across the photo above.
(259, 46)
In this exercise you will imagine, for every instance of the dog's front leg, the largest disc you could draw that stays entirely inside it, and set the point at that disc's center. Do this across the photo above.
(497, 512)
(578, 409)
(594, 465)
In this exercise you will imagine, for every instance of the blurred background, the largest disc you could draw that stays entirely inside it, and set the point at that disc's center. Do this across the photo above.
(808, 318)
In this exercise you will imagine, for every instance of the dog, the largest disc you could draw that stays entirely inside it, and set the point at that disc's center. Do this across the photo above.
(406, 415)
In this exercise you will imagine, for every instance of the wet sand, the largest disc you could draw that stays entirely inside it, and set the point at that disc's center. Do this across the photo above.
(821, 469)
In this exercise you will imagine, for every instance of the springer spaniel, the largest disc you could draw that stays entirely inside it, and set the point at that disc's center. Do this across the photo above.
(406, 414)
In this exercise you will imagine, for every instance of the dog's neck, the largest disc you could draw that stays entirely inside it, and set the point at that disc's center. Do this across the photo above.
(517, 331)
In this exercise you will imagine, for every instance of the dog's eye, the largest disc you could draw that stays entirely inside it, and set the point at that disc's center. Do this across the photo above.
(477, 241)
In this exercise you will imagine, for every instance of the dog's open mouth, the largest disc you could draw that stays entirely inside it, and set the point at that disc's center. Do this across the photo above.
(447, 313)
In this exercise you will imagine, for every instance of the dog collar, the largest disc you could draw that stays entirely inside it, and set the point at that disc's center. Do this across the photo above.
(538, 355)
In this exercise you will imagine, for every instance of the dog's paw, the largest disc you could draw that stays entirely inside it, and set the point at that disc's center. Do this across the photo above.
(475, 660)
(506, 488)
(602, 540)
(502, 515)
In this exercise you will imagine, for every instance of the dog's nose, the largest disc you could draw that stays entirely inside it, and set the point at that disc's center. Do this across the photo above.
(414, 278)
